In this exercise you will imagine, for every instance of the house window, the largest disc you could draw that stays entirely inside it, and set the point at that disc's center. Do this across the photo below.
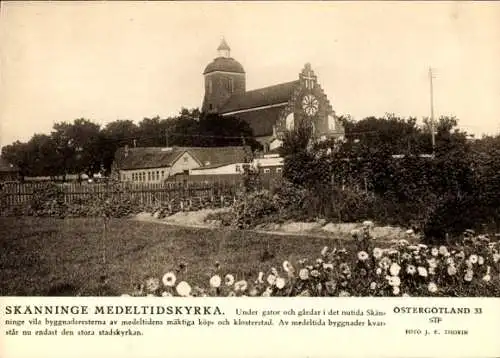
(157, 175)
(267, 171)
(143, 176)
(162, 174)
(238, 168)
(185, 159)
(149, 176)
(279, 170)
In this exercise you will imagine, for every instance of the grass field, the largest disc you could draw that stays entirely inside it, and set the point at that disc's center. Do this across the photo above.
(46, 256)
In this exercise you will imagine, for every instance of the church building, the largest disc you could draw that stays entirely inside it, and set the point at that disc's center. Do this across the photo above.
(269, 111)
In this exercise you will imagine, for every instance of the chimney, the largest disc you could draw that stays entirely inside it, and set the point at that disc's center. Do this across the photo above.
(126, 150)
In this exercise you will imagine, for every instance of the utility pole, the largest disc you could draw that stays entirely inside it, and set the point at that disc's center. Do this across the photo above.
(166, 137)
(432, 111)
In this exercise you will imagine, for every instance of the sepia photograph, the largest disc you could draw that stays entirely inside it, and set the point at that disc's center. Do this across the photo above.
(241, 149)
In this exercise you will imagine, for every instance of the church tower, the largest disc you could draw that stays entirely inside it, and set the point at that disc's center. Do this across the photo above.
(224, 76)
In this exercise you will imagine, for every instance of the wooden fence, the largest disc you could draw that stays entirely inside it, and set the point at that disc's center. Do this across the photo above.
(13, 194)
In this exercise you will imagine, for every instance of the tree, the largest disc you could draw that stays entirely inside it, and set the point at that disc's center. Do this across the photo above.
(115, 135)
(78, 145)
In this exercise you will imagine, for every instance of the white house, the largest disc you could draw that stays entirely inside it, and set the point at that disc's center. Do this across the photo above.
(156, 164)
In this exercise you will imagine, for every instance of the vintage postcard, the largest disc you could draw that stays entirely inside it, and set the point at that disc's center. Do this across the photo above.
(240, 179)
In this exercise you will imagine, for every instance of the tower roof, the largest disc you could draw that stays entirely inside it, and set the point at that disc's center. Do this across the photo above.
(223, 45)
(224, 64)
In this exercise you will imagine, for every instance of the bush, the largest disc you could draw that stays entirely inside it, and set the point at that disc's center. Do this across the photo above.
(253, 209)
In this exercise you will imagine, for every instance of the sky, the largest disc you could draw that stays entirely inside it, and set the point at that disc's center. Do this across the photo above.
(128, 60)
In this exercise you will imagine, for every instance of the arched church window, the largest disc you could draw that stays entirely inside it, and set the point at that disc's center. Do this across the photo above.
(331, 123)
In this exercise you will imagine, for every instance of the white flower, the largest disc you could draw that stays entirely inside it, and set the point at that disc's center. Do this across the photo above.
(280, 282)
(327, 266)
(432, 287)
(432, 263)
(315, 273)
(229, 279)
(253, 292)
(150, 295)
(473, 259)
(385, 263)
(378, 271)
(267, 292)
(496, 258)
(406, 256)
(452, 270)
(166, 294)
(460, 255)
(125, 295)
(261, 277)
(324, 252)
(240, 286)
(274, 271)
(443, 250)
(409, 232)
(377, 253)
(344, 294)
(183, 289)
(411, 269)
(169, 279)
(362, 256)
(373, 285)
(469, 274)
(304, 274)
(215, 281)
(405, 295)
(450, 261)
(487, 278)
(395, 290)
(434, 251)
(271, 279)
(394, 281)
(422, 246)
(422, 271)
(152, 284)
(287, 266)
(480, 260)
(394, 269)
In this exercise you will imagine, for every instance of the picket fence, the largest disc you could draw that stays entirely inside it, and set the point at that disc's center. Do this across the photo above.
(14, 194)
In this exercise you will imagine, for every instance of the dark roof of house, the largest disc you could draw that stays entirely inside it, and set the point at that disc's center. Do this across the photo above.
(226, 64)
(5, 166)
(260, 97)
(156, 157)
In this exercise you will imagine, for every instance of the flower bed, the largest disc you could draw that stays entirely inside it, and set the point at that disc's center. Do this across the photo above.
(470, 268)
